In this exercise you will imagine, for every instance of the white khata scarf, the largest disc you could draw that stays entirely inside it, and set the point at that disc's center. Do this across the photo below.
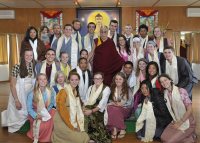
(176, 108)
(41, 110)
(34, 46)
(82, 86)
(172, 69)
(147, 115)
(74, 50)
(144, 42)
(134, 57)
(114, 38)
(87, 43)
(60, 87)
(76, 113)
(93, 94)
(155, 59)
(53, 71)
(161, 46)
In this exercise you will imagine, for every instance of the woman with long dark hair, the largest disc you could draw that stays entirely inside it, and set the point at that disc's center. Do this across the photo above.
(152, 73)
(33, 42)
(123, 47)
(22, 81)
(154, 115)
(182, 129)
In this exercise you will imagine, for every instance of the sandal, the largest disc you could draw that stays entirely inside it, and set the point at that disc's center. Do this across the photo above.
(114, 135)
(121, 134)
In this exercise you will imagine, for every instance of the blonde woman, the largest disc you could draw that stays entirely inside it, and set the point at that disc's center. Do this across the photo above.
(39, 103)
(60, 80)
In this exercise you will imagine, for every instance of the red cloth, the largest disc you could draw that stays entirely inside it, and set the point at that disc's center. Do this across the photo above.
(46, 128)
(107, 60)
(116, 117)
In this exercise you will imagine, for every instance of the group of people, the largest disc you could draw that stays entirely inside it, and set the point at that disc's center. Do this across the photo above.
(80, 89)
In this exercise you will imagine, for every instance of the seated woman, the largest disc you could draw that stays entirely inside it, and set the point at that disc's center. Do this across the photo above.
(182, 129)
(140, 76)
(154, 116)
(22, 82)
(158, 120)
(119, 108)
(152, 73)
(60, 81)
(96, 101)
(69, 118)
(39, 103)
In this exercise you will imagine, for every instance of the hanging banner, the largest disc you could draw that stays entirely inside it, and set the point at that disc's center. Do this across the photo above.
(148, 17)
(49, 18)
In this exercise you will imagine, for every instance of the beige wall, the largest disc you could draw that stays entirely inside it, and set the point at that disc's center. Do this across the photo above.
(27, 17)
(176, 16)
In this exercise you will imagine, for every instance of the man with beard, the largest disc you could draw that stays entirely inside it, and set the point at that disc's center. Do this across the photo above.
(76, 24)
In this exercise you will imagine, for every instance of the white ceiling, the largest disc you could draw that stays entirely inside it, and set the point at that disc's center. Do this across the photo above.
(94, 3)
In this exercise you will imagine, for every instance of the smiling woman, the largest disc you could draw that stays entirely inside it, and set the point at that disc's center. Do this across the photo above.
(69, 118)
(94, 108)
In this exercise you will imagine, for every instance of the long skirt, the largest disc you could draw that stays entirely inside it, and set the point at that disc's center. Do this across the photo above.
(12, 118)
(94, 125)
(171, 135)
(46, 128)
(63, 134)
(116, 117)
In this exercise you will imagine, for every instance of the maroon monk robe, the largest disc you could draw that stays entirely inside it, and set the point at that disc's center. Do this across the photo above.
(107, 60)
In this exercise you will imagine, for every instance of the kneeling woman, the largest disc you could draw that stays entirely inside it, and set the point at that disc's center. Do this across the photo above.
(96, 101)
(39, 103)
(154, 116)
(182, 129)
(69, 118)
(119, 108)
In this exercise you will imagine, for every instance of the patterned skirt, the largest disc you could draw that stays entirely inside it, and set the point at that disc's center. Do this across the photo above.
(94, 126)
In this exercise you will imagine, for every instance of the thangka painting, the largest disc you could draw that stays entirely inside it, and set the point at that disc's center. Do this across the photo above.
(49, 18)
(148, 17)
(100, 16)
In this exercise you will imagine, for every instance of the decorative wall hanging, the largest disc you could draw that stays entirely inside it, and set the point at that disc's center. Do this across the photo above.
(148, 17)
(49, 18)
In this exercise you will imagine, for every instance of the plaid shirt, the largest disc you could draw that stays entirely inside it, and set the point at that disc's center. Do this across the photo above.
(16, 71)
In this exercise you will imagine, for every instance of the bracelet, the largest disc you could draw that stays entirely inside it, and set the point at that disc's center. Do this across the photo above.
(16, 99)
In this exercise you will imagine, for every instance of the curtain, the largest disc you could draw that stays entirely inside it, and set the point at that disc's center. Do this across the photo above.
(188, 39)
(15, 45)
(14, 53)
(177, 42)
(195, 47)
(3, 49)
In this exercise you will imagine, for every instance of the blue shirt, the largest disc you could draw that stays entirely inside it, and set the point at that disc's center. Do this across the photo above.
(30, 107)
